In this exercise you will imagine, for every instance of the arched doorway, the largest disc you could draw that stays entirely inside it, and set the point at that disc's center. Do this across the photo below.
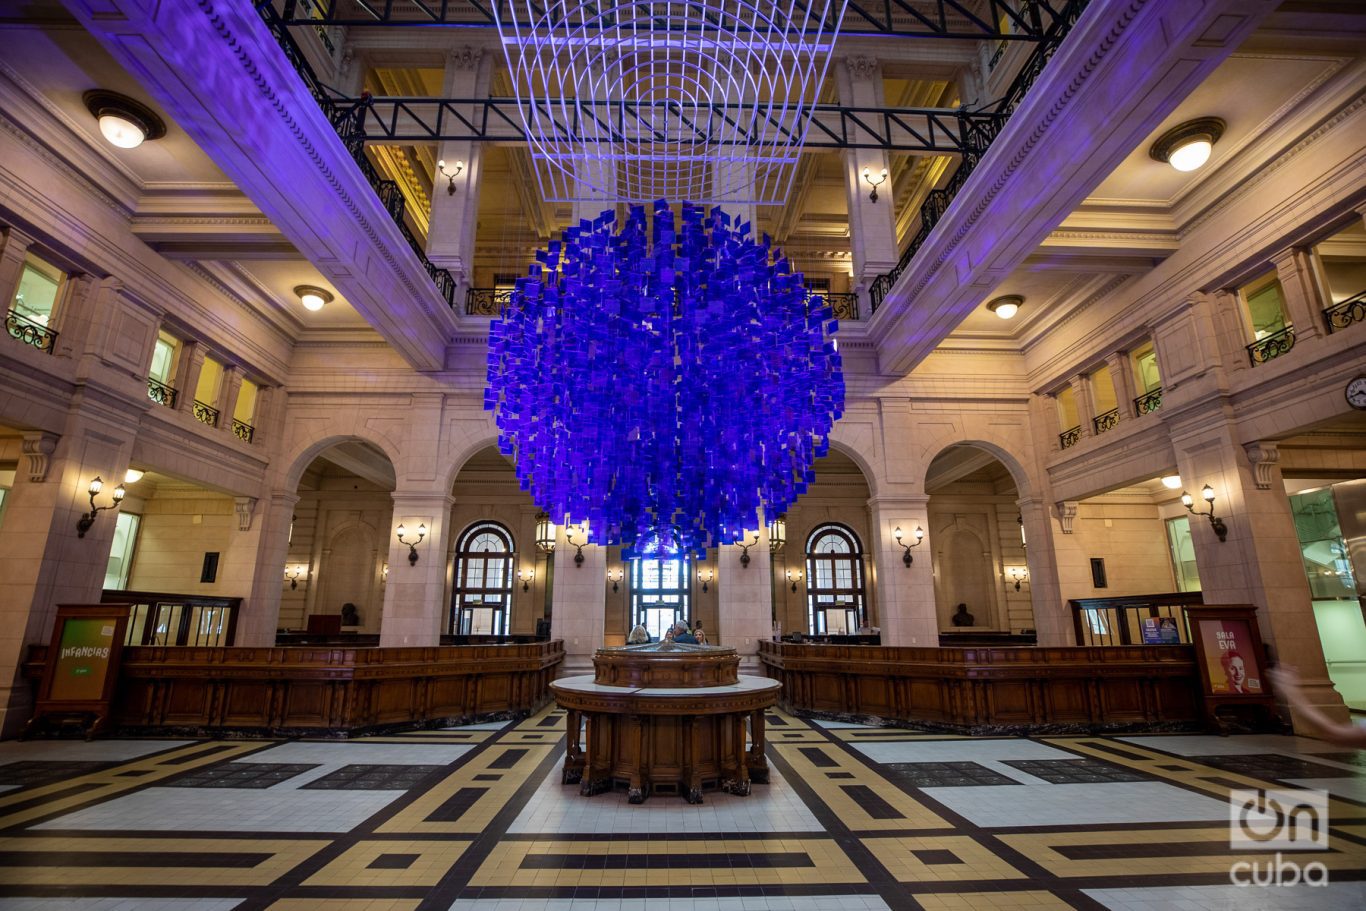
(978, 549)
(481, 602)
(835, 581)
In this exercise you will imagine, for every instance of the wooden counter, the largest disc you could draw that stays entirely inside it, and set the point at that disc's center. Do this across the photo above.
(330, 691)
(992, 690)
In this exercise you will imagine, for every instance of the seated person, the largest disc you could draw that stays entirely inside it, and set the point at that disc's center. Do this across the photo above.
(683, 635)
(639, 636)
(962, 618)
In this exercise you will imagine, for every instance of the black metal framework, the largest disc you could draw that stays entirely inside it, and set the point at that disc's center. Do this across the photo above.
(487, 301)
(159, 618)
(1272, 346)
(481, 602)
(1001, 20)
(23, 329)
(937, 201)
(396, 119)
(1119, 620)
(1107, 421)
(1148, 402)
(661, 592)
(390, 196)
(160, 393)
(1070, 437)
(843, 305)
(835, 594)
(1344, 313)
(243, 431)
(205, 414)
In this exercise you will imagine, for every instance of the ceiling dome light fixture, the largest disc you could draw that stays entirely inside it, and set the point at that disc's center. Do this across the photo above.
(1006, 307)
(1171, 481)
(124, 122)
(1188, 146)
(313, 298)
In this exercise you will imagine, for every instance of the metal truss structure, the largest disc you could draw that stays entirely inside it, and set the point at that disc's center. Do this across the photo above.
(946, 131)
(971, 20)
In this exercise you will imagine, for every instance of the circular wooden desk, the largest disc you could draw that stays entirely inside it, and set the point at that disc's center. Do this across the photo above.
(673, 720)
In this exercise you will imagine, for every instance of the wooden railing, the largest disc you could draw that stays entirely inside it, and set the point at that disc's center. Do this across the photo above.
(1119, 620)
(335, 691)
(992, 690)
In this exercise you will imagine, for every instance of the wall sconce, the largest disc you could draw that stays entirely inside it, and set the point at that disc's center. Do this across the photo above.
(412, 545)
(614, 576)
(84, 522)
(705, 576)
(384, 574)
(1024, 544)
(450, 175)
(874, 183)
(777, 534)
(744, 554)
(794, 576)
(578, 548)
(1019, 574)
(1207, 493)
(919, 539)
(293, 574)
(526, 575)
(545, 534)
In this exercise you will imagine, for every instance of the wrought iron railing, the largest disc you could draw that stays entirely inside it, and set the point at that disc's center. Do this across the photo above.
(979, 135)
(351, 124)
(1344, 313)
(844, 305)
(1106, 421)
(160, 393)
(1272, 346)
(242, 430)
(205, 414)
(25, 330)
(1070, 437)
(487, 301)
(1148, 402)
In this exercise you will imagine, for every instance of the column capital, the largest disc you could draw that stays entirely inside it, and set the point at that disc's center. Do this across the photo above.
(861, 66)
(464, 58)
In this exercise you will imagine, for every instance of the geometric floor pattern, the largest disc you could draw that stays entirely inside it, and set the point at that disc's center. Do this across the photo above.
(475, 819)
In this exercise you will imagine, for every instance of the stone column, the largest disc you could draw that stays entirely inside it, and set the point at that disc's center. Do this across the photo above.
(744, 598)
(1086, 406)
(1122, 376)
(188, 368)
(1052, 622)
(414, 609)
(872, 225)
(227, 396)
(451, 235)
(260, 556)
(43, 561)
(14, 246)
(578, 607)
(1260, 562)
(906, 605)
(1304, 299)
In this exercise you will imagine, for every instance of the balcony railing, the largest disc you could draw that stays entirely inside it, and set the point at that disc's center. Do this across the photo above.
(844, 306)
(1273, 346)
(1148, 402)
(1070, 437)
(25, 330)
(1106, 421)
(205, 414)
(487, 301)
(160, 393)
(242, 430)
(1344, 313)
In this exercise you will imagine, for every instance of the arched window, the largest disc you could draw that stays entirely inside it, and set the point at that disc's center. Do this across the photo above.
(661, 592)
(483, 581)
(834, 581)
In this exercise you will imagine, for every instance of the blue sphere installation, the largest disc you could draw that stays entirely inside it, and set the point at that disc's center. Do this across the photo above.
(665, 381)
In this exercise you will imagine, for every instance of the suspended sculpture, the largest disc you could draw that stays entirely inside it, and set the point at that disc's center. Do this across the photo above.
(664, 382)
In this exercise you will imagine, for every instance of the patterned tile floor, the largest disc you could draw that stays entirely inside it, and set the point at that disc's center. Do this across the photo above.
(475, 819)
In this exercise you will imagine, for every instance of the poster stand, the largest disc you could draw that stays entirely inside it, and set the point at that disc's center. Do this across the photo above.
(1233, 661)
(82, 668)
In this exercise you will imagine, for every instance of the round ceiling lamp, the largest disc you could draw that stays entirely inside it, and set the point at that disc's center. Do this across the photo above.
(313, 298)
(1188, 146)
(124, 122)
(1171, 481)
(1006, 307)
